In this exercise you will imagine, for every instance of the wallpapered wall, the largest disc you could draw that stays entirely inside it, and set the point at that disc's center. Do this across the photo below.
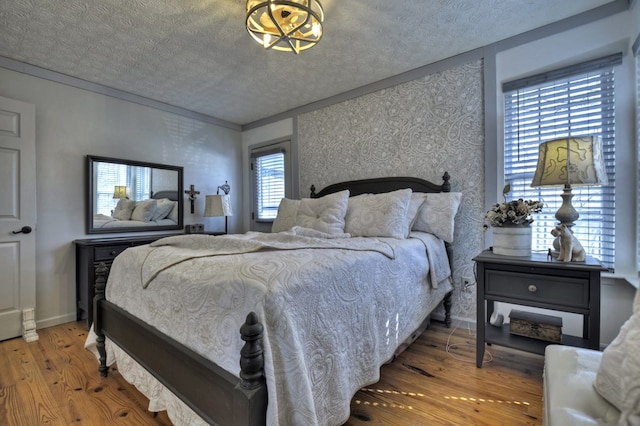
(421, 128)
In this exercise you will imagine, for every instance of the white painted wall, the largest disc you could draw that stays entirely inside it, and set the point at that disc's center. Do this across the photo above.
(591, 41)
(71, 123)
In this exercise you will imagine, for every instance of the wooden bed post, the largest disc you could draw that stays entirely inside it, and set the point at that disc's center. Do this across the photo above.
(446, 185)
(101, 283)
(447, 308)
(251, 354)
(250, 394)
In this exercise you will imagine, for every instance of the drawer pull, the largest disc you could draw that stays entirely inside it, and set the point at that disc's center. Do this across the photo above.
(533, 288)
(113, 252)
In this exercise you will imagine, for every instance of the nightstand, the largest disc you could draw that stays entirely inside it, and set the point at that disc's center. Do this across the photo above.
(91, 252)
(539, 282)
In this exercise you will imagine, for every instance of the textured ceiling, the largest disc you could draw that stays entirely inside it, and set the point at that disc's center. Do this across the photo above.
(196, 54)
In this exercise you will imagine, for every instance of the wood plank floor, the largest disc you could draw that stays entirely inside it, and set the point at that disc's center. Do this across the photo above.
(55, 382)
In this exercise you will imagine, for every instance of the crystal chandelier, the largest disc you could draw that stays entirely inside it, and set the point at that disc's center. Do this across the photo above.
(290, 26)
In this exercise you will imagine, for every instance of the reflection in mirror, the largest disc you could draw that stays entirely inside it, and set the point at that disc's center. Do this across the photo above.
(128, 196)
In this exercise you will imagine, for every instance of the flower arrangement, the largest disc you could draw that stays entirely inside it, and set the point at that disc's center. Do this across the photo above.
(512, 213)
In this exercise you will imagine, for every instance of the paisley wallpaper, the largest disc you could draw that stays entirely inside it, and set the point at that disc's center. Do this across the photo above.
(421, 128)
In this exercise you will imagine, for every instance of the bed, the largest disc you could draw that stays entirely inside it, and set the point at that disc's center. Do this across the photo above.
(318, 316)
(161, 209)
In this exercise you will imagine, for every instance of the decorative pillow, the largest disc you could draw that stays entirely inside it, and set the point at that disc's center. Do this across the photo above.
(611, 377)
(173, 213)
(164, 207)
(144, 210)
(437, 213)
(378, 215)
(631, 381)
(286, 218)
(123, 209)
(325, 214)
(417, 199)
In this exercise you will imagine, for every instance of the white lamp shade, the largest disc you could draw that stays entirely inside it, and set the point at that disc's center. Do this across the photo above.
(575, 161)
(120, 191)
(218, 205)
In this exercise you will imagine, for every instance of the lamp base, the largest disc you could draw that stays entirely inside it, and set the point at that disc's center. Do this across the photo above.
(566, 214)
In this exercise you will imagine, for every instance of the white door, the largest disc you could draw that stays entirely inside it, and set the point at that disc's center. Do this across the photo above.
(17, 214)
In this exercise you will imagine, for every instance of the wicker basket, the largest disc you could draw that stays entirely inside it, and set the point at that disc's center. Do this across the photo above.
(536, 326)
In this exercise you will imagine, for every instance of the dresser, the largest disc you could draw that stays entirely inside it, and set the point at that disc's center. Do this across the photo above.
(90, 253)
(540, 282)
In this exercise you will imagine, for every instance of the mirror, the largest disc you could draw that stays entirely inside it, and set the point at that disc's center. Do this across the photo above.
(130, 196)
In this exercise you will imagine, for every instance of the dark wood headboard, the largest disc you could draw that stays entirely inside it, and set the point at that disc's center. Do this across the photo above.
(385, 184)
(172, 195)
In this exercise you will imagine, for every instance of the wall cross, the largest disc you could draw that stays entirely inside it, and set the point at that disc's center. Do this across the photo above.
(192, 196)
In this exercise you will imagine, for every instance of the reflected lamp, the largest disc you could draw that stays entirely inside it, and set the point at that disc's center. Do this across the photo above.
(120, 191)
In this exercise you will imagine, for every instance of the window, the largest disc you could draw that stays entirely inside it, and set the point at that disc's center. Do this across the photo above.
(108, 175)
(268, 169)
(573, 101)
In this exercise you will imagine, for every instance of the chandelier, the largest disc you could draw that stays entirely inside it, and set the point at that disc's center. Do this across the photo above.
(290, 26)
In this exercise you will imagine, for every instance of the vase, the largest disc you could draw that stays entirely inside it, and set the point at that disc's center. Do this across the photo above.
(512, 240)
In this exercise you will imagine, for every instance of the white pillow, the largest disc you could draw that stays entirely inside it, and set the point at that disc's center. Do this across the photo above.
(378, 215)
(164, 207)
(436, 214)
(286, 218)
(123, 209)
(615, 382)
(173, 213)
(325, 214)
(417, 199)
(144, 210)
(631, 380)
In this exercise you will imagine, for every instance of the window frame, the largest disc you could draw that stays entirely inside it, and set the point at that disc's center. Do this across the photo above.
(599, 243)
(284, 147)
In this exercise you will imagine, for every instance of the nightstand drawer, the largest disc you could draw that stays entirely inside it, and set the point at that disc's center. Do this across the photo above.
(109, 253)
(548, 289)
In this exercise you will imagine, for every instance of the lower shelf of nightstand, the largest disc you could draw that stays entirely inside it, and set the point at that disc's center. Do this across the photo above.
(501, 336)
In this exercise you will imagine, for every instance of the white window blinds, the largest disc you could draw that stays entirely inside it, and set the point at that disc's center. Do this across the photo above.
(269, 177)
(573, 101)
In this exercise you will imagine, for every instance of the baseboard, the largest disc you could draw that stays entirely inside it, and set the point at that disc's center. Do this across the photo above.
(50, 322)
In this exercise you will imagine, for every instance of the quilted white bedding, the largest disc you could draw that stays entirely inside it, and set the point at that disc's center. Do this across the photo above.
(334, 310)
(104, 221)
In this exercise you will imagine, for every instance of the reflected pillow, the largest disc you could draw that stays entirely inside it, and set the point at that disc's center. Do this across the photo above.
(173, 213)
(123, 209)
(164, 207)
(436, 214)
(378, 215)
(144, 210)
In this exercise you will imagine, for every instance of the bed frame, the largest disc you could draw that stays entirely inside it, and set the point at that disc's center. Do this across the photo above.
(213, 393)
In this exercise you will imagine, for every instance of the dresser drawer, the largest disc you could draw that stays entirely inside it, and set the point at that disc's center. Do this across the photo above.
(109, 252)
(540, 288)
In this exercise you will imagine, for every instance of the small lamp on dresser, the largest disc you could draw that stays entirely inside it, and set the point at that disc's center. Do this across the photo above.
(219, 205)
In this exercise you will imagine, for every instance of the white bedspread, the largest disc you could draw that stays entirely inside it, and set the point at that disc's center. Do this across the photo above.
(333, 312)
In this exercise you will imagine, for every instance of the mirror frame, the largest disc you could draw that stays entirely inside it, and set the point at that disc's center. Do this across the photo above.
(92, 159)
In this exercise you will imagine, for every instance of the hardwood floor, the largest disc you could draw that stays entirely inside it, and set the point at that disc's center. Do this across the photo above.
(55, 382)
